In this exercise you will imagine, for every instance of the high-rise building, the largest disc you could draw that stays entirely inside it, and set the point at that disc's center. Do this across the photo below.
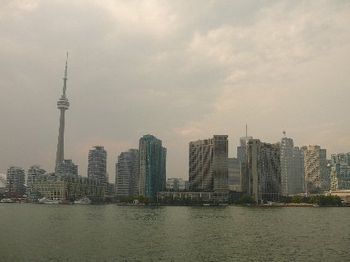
(242, 158)
(127, 174)
(292, 170)
(152, 177)
(67, 168)
(242, 148)
(62, 105)
(33, 174)
(315, 164)
(287, 173)
(234, 175)
(263, 173)
(97, 164)
(340, 171)
(15, 180)
(298, 181)
(208, 164)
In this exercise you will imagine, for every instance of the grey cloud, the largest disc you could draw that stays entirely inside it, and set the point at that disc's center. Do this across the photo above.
(179, 69)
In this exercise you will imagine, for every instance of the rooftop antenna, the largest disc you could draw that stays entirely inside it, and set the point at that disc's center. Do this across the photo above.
(284, 133)
(246, 130)
(65, 77)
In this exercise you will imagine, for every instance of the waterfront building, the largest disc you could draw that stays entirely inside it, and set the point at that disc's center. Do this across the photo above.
(344, 194)
(2, 184)
(67, 167)
(292, 170)
(176, 184)
(208, 164)
(263, 172)
(152, 178)
(234, 174)
(316, 175)
(340, 172)
(33, 173)
(15, 182)
(127, 174)
(97, 164)
(62, 105)
(68, 188)
(190, 197)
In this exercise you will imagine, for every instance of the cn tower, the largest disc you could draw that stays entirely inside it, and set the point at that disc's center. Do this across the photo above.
(62, 105)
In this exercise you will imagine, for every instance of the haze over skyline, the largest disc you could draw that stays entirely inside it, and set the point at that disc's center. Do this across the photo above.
(180, 70)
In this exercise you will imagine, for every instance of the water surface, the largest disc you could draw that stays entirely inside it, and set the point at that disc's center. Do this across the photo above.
(30, 232)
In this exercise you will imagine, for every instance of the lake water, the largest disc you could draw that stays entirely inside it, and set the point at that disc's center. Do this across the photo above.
(30, 232)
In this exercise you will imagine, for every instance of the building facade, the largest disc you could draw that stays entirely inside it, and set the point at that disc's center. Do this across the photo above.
(292, 168)
(127, 174)
(2, 184)
(67, 167)
(15, 182)
(316, 175)
(242, 149)
(340, 172)
(208, 164)
(97, 164)
(152, 178)
(242, 159)
(263, 173)
(298, 181)
(234, 175)
(68, 188)
(33, 174)
(192, 198)
(176, 184)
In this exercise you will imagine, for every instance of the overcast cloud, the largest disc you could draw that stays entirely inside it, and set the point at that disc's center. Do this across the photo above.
(181, 70)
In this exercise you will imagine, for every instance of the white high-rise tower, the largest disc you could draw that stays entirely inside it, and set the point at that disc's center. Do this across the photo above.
(62, 105)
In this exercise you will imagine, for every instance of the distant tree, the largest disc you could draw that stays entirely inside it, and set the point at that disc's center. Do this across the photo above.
(245, 200)
(297, 199)
(329, 201)
(286, 199)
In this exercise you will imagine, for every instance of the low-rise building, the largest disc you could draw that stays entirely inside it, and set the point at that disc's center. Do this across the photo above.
(176, 184)
(2, 184)
(186, 197)
(68, 188)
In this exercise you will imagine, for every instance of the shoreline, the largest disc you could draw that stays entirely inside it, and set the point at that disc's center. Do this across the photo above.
(222, 205)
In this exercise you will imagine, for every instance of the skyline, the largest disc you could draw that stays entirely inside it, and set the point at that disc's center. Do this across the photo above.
(176, 76)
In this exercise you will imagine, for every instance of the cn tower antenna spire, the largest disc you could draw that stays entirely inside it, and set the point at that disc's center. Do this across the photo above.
(65, 77)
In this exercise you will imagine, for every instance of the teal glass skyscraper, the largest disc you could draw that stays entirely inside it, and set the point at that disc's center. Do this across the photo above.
(152, 177)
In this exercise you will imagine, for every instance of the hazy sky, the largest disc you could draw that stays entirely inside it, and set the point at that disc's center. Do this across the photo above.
(180, 70)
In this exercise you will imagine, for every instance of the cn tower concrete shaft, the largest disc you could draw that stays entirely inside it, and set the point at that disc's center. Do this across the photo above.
(60, 144)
